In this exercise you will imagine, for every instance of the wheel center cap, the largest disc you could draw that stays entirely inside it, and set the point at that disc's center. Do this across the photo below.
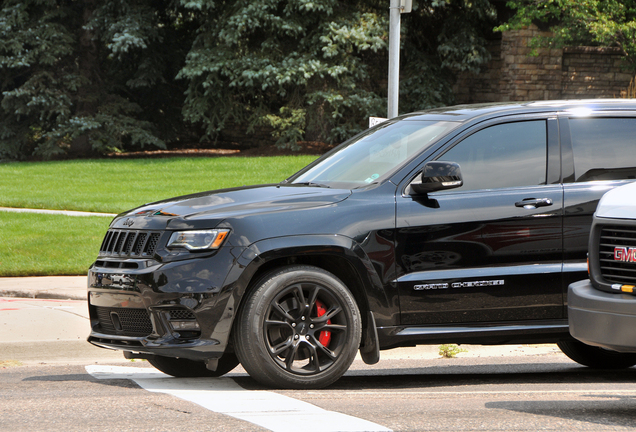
(302, 328)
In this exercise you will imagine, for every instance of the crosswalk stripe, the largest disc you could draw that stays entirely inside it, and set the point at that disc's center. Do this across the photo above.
(267, 409)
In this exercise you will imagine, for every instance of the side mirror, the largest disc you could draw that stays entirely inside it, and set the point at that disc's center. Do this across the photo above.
(436, 176)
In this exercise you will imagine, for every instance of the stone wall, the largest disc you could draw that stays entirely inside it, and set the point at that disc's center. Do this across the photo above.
(525, 76)
(513, 74)
(593, 72)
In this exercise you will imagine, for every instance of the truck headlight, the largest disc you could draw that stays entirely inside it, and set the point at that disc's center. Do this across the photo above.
(198, 240)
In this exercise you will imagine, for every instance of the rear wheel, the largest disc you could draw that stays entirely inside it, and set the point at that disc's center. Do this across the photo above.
(185, 368)
(596, 357)
(300, 328)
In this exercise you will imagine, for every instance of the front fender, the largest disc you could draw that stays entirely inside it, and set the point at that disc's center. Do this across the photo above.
(371, 294)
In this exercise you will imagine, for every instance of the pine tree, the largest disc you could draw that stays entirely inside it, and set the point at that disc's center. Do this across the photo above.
(316, 69)
(79, 77)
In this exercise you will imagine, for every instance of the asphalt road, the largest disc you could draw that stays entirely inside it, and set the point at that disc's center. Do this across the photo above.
(52, 380)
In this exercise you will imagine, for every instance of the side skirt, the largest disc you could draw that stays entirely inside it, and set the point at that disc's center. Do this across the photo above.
(544, 331)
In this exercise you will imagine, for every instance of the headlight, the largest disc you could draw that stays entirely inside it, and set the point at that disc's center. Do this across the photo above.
(198, 240)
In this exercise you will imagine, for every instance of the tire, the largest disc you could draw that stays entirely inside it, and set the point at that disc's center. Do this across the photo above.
(596, 357)
(185, 368)
(300, 328)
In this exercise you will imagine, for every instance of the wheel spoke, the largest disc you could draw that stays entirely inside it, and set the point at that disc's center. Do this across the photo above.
(334, 327)
(315, 360)
(313, 297)
(279, 308)
(291, 357)
(276, 323)
(299, 294)
(326, 351)
(335, 310)
(281, 347)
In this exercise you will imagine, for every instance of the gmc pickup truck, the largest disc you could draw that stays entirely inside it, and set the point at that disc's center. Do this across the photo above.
(602, 309)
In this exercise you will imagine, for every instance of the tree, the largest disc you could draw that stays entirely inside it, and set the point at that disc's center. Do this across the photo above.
(83, 76)
(297, 66)
(442, 38)
(316, 69)
(610, 23)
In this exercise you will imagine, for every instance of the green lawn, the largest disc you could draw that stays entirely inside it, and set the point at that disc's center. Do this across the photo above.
(113, 186)
(42, 245)
(39, 245)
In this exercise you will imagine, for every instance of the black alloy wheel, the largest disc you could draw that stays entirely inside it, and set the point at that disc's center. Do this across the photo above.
(300, 328)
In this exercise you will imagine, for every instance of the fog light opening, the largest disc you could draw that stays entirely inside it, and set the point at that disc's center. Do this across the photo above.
(189, 325)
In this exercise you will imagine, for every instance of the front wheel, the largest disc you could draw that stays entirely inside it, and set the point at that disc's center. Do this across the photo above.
(595, 357)
(300, 328)
(185, 368)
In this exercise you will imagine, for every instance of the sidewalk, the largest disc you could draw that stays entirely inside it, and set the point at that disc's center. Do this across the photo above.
(45, 287)
(55, 212)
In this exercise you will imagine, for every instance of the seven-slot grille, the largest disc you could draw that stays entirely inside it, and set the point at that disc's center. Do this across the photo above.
(614, 270)
(124, 321)
(129, 243)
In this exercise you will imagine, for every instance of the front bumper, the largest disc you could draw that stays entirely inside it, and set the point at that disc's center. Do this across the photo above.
(602, 319)
(179, 309)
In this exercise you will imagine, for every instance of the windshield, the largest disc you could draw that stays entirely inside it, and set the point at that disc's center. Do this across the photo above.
(373, 155)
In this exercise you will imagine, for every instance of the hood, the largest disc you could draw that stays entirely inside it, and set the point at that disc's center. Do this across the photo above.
(619, 203)
(207, 209)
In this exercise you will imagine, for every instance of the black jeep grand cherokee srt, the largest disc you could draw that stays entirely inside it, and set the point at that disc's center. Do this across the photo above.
(455, 225)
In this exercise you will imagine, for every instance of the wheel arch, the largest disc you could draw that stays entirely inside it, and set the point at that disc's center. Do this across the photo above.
(336, 257)
(339, 255)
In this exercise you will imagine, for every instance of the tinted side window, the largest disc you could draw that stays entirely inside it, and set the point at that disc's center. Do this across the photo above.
(604, 148)
(505, 155)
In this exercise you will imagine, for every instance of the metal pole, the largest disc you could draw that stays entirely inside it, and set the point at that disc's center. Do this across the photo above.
(394, 58)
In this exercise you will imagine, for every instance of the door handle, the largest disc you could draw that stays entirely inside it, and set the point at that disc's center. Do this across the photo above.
(533, 203)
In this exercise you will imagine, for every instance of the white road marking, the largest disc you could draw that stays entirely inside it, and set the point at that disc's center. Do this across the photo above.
(267, 409)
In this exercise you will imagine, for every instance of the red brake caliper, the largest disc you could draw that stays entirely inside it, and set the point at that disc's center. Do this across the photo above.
(325, 335)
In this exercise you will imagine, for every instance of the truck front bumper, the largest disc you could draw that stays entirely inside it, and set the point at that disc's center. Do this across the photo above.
(602, 319)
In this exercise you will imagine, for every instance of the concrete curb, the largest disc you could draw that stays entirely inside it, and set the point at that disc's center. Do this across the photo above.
(49, 295)
(45, 287)
(55, 212)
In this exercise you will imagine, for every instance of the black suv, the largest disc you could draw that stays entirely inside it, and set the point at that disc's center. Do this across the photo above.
(455, 225)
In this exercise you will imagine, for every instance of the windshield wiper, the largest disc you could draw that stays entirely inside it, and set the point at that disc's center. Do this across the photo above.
(311, 184)
(366, 185)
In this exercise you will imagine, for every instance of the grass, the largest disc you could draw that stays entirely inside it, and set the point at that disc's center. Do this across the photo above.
(5, 364)
(113, 186)
(47, 245)
(450, 350)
